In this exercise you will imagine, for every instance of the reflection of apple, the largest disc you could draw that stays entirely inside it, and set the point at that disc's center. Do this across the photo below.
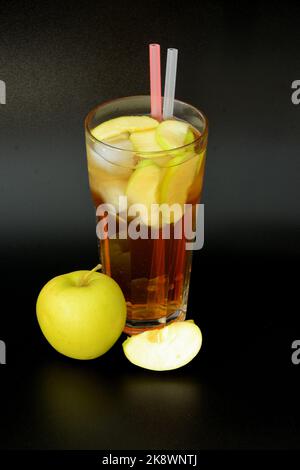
(82, 314)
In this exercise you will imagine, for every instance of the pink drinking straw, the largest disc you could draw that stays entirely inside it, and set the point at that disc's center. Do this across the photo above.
(155, 81)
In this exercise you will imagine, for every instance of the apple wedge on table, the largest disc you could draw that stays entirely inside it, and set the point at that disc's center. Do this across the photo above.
(168, 348)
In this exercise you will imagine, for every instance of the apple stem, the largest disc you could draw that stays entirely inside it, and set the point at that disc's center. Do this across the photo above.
(86, 276)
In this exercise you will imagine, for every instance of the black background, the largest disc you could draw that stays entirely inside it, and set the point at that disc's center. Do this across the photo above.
(237, 61)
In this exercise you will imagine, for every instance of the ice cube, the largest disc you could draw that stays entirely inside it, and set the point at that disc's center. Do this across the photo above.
(117, 160)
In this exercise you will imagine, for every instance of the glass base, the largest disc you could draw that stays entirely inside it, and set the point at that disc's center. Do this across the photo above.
(134, 327)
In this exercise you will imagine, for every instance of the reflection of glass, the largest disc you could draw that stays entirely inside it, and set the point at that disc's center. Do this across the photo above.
(152, 273)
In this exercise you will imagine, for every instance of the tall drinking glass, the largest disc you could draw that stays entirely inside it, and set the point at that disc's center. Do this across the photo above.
(148, 256)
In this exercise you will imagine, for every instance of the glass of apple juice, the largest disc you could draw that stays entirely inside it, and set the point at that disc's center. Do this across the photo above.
(146, 180)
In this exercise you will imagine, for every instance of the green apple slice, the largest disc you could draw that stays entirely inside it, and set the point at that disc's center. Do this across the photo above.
(145, 141)
(167, 348)
(118, 140)
(177, 180)
(142, 188)
(116, 126)
(171, 134)
(189, 138)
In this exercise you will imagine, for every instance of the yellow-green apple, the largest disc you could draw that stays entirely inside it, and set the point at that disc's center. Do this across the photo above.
(81, 314)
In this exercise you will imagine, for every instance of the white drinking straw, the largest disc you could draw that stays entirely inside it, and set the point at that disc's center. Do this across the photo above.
(170, 82)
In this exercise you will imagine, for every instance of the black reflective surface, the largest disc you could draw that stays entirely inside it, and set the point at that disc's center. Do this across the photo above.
(240, 392)
(237, 62)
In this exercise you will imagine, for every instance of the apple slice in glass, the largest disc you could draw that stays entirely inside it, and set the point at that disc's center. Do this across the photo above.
(116, 126)
(142, 189)
(172, 133)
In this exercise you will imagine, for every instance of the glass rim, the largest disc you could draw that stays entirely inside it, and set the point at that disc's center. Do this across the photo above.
(157, 153)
